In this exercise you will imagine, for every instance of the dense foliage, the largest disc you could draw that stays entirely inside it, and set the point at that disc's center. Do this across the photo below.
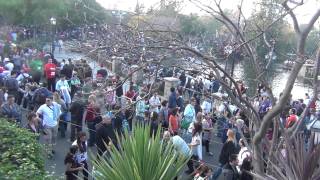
(140, 158)
(38, 12)
(20, 153)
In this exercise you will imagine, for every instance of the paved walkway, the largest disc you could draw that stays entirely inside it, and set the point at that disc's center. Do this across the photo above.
(56, 165)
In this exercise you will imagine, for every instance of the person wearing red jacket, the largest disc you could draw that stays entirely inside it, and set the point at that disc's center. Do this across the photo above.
(50, 73)
(293, 118)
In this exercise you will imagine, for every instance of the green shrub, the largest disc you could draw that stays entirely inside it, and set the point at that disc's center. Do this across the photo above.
(21, 156)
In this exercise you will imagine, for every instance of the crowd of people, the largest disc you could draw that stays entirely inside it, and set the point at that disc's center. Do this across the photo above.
(53, 96)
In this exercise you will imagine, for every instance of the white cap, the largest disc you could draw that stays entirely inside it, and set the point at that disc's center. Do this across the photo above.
(6, 60)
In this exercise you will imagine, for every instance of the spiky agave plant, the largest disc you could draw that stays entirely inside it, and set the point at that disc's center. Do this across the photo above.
(299, 162)
(140, 158)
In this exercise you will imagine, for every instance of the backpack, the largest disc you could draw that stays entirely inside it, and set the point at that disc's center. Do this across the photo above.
(41, 94)
(10, 84)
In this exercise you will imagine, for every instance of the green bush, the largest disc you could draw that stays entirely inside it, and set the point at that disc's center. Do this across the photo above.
(20, 153)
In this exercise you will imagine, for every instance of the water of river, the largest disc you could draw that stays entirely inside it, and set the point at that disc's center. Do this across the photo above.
(279, 79)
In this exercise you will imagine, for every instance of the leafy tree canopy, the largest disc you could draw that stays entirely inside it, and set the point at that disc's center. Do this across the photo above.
(38, 12)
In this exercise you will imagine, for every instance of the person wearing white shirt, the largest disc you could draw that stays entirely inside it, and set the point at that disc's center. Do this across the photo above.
(82, 154)
(154, 102)
(196, 142)
(63, 87)
(50, 112)
(8, 65)
(307, 99)
(206, 105)
(244, 152)
(22, 76)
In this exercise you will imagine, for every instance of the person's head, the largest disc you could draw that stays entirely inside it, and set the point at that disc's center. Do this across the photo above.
(49, 100)
(199, 117)
(106, 119)
(73, 149)
(164, 103)
(197, 128)
(56, 97)
(14, 73)
(193, 101)
(166, 136)
(307, 95)
(155, 94)
(32, 118)
(92, 99)
(233, 159)
(154, 116)
(172, 89)
(11, 99)
(69, 60)
(241, 143)
(131, 88)
(50, 61)
(230, 135)
(82, 137)
(292, 111)
(63, 77)
(63, 60)
(175, 111)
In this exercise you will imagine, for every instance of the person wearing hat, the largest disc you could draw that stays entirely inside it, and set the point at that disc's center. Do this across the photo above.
(8, 65)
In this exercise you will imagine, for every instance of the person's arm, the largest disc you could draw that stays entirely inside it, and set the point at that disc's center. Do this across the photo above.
(69, 168)
(84, 115)
(58, 86)
(170, 126)
(4, 110)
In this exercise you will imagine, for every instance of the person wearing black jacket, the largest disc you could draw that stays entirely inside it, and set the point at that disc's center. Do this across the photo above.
(228, 148)
(104, 134)
(119, 89)
(230, 171)
(77, 110)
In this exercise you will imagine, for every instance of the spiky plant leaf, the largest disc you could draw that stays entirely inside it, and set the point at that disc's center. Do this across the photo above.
(139, 158)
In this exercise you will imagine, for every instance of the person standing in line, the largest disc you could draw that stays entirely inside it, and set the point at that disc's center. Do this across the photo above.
(230, 171)
(91, 114)
(164, 114)
(196, 141)
(228, 148)
(75, 84)
(154, 103)
(12, 84)
(105, 134)
(119, 89)
(82, 155)
(72, 167)
(11, 110)
(174, 122)
(172, 102)
(63, 119)
(77, 111)
(33, 124)
(50, 73)
(64, 90)
(207, 127)
(50, 113)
